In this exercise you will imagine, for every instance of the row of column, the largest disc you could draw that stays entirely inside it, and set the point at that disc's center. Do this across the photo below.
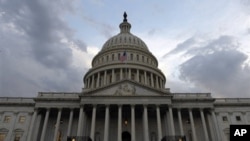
(119, 124)
(57, 125)
(145, 123)
(101, 78)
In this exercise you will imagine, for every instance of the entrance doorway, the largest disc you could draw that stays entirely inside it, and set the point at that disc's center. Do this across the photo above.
(126, 136)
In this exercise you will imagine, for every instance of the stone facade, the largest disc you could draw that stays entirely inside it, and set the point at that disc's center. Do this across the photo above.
(124, 99)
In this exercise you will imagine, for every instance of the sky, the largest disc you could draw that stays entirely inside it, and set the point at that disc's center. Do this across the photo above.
(202, 46)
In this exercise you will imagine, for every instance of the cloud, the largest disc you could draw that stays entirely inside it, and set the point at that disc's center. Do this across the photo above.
(181, 47)
(105, 29)
(34, 55)
(218, 67)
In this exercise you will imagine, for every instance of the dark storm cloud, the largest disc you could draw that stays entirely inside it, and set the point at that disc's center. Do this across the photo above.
(34, 56)
(218, 67)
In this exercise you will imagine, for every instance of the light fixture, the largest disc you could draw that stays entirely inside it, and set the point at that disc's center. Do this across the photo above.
(126, 122)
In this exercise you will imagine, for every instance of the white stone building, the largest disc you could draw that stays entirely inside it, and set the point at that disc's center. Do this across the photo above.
(124, 99)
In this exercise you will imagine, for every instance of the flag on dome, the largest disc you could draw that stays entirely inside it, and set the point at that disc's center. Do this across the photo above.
(123, 57)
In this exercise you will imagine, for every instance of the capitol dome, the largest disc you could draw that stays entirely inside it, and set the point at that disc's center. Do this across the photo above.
(124, 57)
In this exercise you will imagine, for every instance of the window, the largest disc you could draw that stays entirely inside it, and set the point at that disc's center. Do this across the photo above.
(142, 58)
(18, 134)
(2, 136)
(7, 119)
(137, 57)
(22, 119)
(17, 137)
(113, 57)
(131, 56)
(224, 118)
(238, 118)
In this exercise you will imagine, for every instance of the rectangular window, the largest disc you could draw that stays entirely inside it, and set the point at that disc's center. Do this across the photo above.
(7, 119)
(131, 56)
(238, 118)
(224, 118)
(22, 119)
(2, 136)
(17, 138)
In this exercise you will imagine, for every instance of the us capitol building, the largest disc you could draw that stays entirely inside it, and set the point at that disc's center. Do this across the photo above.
(124, 99)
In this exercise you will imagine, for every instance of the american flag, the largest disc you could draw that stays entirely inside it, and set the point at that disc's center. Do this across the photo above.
(123, 57)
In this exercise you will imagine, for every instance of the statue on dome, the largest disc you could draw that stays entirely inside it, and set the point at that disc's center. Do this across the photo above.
(125, 17)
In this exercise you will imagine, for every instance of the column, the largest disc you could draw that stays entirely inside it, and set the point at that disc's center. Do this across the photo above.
(157, 82)
(171, 120)
(106, 124)
(129, 74)
(113, 75)
(121, 76)
(145, 78)
(45, 124)
(152, 80)
(32, 125)
(92, 131)
(87, 83)
(137, 75)
(98, 80)
(216, 126)
(105, 78)
(204, 125)
(79, 127)
(192, 124)
(180, 121)
(70, 121)
(119, 134)
(132, 123)
(93, 81)
(158, 114)
(57, 123)
(145, 123)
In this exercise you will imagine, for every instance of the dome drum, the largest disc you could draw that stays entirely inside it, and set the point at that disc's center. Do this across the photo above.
(132, 57)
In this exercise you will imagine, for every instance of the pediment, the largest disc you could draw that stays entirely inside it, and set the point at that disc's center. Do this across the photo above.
(126, 88)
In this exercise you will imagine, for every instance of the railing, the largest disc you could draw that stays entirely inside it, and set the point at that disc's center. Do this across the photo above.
(192, 95)
(58, 95)
(232, 100)
(16, 100)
